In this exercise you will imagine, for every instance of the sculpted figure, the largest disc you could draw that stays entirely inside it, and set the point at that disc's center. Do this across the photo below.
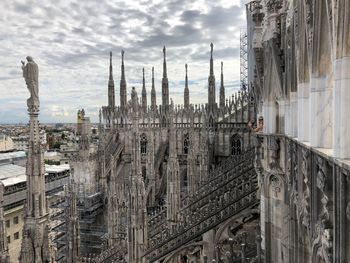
(31, 76)
(134, 99)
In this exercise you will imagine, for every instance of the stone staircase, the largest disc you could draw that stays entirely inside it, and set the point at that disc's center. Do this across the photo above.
(230, 188)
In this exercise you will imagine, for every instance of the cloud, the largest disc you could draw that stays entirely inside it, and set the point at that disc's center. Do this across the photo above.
(71, 40)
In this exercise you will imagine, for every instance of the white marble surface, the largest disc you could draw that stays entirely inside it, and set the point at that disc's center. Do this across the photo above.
(303, 111)
(269, 110)
(341, 93)
(294, 114)
(282, 109)
(321, 113)
(287, 119)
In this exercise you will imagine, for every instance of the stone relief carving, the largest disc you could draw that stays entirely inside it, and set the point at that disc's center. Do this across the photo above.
(276, 185)
(274, 5)
(309, 20)
(321, 184)
(322, 244)
(274, 152)
(305, 199)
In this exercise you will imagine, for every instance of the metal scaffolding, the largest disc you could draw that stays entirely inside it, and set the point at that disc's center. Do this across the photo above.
(243, 56)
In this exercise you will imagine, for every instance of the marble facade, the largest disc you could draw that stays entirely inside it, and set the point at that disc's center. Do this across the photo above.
(300, 70)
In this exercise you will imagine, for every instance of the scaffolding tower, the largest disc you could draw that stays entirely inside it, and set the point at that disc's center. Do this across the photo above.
(243, 56)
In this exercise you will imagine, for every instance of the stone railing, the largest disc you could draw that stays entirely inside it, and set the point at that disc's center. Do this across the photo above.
(157, 222)
(218, 177)
(218, 174)
(113, 254)
(232, 192)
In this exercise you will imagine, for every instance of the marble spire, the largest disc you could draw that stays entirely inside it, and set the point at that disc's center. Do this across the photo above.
(144, 93)
(165, 84)
(186, 92)
(35, 242)
(137, 212)
(72, 223)
(173, 174)
(211, 82)
(222, 88)
(123, 92)
(153, 93)
(111, 95)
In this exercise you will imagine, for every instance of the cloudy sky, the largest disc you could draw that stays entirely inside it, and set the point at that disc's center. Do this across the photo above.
(71, 40)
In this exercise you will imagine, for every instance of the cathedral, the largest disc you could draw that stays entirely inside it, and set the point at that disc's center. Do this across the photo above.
(259, 176)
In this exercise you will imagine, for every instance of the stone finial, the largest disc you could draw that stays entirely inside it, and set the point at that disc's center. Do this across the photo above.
(186, 68)
(222, 65)
(211, 49)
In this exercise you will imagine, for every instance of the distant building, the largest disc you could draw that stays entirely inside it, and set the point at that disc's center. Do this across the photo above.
(14, 179)
(6, 143)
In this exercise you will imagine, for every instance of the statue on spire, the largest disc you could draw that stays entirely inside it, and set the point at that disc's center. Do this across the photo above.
(134, 99)
(164, 50)
(31, 76)
(211, 49)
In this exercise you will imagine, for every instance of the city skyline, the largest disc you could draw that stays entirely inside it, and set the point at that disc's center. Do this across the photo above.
(73, 51)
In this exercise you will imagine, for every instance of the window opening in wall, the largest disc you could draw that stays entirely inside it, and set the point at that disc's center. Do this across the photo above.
(186, 144)
(236, 145)
(143, 144)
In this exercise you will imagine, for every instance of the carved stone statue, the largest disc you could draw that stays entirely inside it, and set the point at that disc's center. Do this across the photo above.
(31, 76)
(134, 99)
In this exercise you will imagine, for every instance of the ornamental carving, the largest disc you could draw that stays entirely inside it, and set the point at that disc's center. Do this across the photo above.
(274, 152)
(321, 185)
(273, 6)
(305, 199)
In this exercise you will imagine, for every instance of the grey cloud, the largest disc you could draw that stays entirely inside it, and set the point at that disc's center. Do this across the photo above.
(71, 40)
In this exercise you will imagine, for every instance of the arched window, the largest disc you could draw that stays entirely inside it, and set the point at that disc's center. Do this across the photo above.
(186, 143)
(143, 144)
(236, 145)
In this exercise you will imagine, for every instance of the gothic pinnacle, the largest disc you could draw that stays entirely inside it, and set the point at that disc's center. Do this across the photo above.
(111, 96)
(110, 66)
(143, 77)
(165, 85)
(153, 92)
(211, 59)
(222, 88)
(123, 99)
(186, 92)
(164, 63)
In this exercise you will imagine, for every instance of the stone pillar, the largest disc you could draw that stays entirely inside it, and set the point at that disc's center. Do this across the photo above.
(303, 112)
(269, 110)
(321, 113)
(341, 93)
(341, 90)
